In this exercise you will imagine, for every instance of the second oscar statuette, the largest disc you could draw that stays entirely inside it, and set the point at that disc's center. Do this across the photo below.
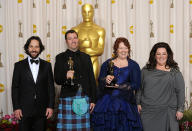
(110, 71)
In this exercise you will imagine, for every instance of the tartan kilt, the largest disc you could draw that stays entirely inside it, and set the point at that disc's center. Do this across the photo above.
(68, 120)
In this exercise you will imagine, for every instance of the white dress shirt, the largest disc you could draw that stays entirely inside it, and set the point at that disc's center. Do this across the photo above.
(34, 68)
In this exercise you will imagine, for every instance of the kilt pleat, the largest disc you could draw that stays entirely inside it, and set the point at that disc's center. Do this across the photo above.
(67, 119)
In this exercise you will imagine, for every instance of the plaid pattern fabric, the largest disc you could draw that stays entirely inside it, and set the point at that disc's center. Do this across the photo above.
(68, 120)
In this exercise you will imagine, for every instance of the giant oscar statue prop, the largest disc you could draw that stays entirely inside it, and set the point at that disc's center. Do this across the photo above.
(91, 37)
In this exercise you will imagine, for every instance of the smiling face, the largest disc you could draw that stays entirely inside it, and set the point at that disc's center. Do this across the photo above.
(161, 56)
(122, 51)
(34, 49)
(72, 41)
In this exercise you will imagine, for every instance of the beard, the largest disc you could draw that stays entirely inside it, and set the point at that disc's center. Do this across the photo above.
(30, 54)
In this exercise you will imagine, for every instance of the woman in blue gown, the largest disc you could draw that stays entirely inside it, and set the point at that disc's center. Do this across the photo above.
(116, 108)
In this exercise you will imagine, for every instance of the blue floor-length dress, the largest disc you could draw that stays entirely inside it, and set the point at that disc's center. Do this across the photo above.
(116, 109)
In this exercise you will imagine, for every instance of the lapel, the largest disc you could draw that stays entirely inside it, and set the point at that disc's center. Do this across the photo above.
(28, 70)
(41, 66)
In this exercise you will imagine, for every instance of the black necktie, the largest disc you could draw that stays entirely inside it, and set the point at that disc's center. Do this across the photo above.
(34, 61)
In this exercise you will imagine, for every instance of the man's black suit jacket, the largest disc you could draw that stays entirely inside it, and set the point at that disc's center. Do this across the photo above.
(24, 88)
(83, 73)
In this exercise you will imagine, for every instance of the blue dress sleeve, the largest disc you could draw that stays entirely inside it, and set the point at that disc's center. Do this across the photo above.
(124, 86)
(135, 76)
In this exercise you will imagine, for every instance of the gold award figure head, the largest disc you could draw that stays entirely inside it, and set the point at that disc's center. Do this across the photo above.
(70, 63)
(91, 37)
(87, 12)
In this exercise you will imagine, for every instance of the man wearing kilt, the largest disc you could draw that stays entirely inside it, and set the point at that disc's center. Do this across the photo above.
(74, 72)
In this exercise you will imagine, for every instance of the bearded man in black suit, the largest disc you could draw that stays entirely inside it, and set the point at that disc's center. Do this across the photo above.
(33, 91)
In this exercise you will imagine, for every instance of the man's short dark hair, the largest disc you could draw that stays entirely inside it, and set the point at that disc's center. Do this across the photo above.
(70, 31)
(26, 46)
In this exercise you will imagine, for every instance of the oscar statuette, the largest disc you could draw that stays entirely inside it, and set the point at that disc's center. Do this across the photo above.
(110, 71)
(70, 81)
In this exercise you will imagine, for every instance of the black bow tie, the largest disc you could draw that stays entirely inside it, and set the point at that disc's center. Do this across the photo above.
(34, 61)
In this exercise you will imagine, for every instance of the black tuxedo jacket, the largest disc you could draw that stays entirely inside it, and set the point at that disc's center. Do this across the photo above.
(24, 88)
(83, 73)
